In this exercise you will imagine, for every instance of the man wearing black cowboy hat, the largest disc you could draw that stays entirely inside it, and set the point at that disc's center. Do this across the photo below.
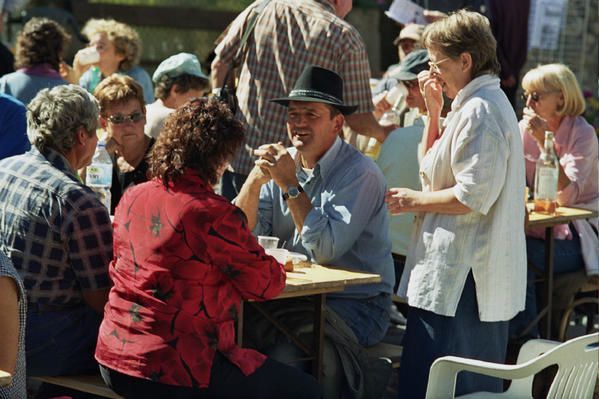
(325, 199)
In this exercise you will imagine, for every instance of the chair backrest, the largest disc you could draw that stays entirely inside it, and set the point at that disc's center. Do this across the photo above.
(577, 361)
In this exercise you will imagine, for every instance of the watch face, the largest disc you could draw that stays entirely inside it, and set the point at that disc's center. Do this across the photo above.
(293, 192)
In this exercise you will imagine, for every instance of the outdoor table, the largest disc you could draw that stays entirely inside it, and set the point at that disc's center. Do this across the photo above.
(314, 281)
(562, 215)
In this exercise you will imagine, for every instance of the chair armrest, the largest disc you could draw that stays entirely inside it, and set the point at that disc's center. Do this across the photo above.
(442, 378)
(5, 378)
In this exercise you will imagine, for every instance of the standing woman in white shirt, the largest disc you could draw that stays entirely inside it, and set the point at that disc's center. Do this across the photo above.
(465, 273)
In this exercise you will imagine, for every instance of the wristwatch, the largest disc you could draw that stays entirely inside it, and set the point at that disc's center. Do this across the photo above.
(293, 192)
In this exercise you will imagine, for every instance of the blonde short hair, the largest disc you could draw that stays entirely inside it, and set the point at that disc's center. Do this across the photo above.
(465, 32)
(556, 77)
(125, 39)
(118, 89)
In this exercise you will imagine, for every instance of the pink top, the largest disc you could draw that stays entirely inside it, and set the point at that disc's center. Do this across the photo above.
(577, 149)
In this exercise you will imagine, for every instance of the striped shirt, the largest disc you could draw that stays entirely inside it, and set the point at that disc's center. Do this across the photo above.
(16, 390)
(55, 230)
(288, 35)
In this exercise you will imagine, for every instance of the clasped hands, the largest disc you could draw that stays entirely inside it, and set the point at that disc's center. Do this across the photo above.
(274, 162)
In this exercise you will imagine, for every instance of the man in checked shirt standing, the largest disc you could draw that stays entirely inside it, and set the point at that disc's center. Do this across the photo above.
(57, 233)
(288, 36)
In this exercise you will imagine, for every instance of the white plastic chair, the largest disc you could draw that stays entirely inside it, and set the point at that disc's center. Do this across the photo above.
(577, 361)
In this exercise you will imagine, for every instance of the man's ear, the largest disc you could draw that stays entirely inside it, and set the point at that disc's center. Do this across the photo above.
(339, 121)
(81, 136)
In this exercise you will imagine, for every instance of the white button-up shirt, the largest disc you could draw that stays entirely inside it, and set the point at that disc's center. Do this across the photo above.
(480, 156)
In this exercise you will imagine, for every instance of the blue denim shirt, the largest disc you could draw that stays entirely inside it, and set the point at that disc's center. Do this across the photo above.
(348, 226)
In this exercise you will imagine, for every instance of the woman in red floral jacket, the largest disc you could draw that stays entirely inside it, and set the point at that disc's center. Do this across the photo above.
(183, 261)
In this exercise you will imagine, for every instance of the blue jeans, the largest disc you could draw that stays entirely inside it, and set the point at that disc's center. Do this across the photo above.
(368, 317)
(62, 342)
(430, 336)
(567, 258)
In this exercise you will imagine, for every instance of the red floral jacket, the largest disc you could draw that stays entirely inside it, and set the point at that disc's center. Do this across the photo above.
(183, 261)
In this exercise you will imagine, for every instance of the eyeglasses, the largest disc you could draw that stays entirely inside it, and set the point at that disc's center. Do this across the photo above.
(410, 84)
(120, 118)
(434, 66)
(536, 96)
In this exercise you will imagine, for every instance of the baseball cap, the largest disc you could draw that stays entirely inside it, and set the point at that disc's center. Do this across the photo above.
(412, 65)
(410, 31)
(177, 65)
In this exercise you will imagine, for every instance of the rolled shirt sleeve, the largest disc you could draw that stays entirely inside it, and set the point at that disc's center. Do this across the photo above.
(479, 162)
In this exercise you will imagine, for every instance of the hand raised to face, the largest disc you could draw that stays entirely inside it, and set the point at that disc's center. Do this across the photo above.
(432, 92)
(274, 159)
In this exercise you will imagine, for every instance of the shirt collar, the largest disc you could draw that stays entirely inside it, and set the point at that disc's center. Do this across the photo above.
(57, 160)
(325, 163)
(45, 70)
(191, 178)
(469, 90)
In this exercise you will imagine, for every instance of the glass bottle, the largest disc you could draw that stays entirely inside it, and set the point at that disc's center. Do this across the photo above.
(546, 174)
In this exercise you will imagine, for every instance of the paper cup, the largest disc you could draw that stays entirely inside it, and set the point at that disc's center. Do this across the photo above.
(280, 254)
(267, 242)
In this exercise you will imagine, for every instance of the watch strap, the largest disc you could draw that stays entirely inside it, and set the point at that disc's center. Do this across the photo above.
(286, 195)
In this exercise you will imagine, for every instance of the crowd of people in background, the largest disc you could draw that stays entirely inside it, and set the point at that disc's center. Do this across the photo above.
(419, 176)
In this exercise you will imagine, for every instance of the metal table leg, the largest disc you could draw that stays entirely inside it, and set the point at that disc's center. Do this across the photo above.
(548, 293)
(318, 338)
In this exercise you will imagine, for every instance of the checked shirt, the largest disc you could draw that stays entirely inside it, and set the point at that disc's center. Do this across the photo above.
(54, 229)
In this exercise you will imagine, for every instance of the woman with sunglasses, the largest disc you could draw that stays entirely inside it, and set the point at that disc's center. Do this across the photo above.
(465, 271)
(123, 116)
(555, 102)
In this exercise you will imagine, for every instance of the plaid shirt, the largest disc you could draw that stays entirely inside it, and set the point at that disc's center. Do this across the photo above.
(290, 34)
(55, 230)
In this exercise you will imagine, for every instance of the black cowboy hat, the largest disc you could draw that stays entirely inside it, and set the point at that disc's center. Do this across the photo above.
(318, 85)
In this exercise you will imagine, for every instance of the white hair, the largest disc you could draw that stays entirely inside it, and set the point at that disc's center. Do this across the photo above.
(55, 115)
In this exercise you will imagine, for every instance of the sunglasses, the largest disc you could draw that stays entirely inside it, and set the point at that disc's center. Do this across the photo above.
(119, 119)
(410, 84)
(536, 96)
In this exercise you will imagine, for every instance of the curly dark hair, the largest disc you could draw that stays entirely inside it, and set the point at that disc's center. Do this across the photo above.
(184, 83)
(41, 41)
(201, 135)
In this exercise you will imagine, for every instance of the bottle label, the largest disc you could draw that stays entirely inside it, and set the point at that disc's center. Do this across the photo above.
(546, 187)
(99, 175)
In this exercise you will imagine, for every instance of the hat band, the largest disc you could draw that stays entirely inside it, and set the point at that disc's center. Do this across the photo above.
(315, 94)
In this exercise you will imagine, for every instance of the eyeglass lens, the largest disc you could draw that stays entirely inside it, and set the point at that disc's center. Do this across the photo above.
(119, 118)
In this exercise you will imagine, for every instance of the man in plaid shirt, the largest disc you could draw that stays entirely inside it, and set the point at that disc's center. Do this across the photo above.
(57, 233)
(288, 35)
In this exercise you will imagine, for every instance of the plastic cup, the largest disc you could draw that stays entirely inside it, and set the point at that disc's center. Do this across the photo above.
(280, 254)
(267, 242)
(88, 55)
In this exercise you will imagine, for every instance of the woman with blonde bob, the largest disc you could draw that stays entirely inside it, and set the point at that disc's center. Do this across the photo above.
(119, 48)
(465, 271)
(555, 102)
